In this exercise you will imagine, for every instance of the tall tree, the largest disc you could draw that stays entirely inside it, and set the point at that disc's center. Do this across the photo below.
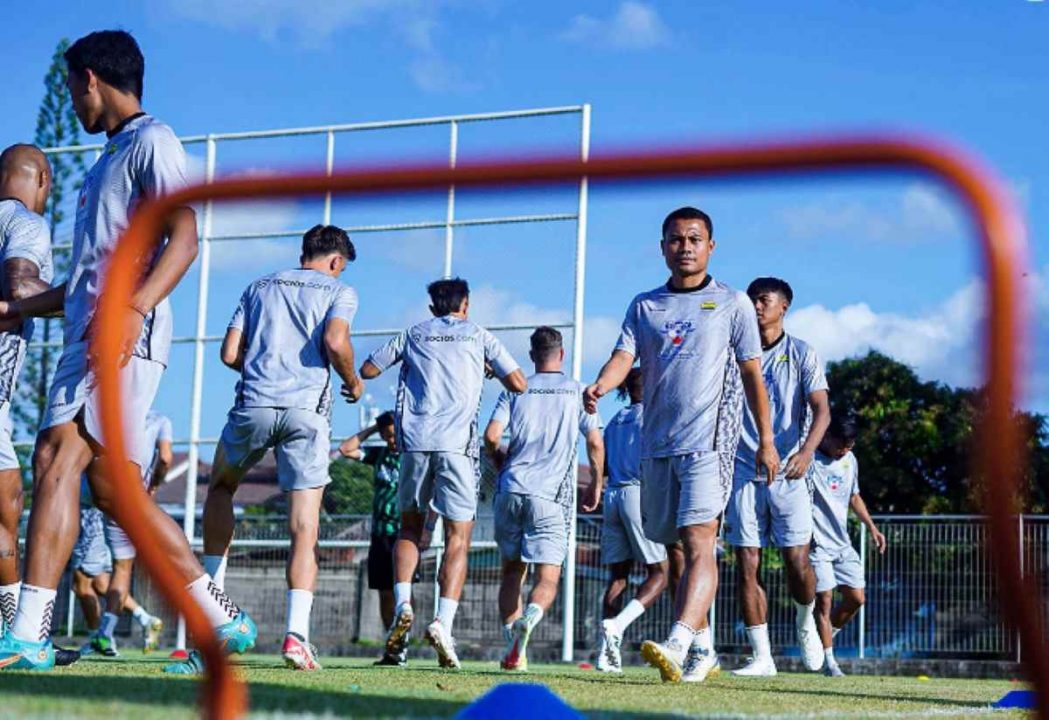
(56, 126)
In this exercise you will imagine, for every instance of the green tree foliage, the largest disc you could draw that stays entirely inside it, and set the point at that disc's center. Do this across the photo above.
(915, 441)
(351, 490)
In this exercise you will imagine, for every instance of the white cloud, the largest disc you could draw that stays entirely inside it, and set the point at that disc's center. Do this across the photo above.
(919, 210)
(635, 26)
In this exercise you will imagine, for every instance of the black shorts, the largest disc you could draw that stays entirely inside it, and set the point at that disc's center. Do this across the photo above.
(380, 562)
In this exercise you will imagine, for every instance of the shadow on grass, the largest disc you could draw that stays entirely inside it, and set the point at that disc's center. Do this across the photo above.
(891, 697)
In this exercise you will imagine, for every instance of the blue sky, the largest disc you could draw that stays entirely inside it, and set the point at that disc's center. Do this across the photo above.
(886, 262)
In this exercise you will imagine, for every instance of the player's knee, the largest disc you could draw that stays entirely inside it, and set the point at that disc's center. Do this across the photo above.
(749, 560)
(824, 601)
(857, 597)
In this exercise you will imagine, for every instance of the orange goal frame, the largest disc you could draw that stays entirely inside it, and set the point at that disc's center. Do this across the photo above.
(1000, 454)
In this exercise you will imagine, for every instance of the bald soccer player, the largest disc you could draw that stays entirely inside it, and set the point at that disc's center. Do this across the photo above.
(141, 159)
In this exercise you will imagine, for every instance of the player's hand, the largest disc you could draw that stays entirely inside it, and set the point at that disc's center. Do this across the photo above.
(591, 498)
(591, 395)
(352, 393)
(767, 459)
(879, 540)
(10, 317)
(130, 331)
(798, 464)
(489, 371)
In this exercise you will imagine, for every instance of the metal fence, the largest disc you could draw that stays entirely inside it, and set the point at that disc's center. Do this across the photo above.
(931, 595)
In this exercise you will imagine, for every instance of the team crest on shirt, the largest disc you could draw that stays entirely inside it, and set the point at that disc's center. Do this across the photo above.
(677, 330)
(835, 483)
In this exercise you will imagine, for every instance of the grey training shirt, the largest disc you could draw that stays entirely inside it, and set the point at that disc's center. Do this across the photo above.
(439, 392)
(792, 372)
(283, 317)
(684, 340)
(24, 235)
(544, 424)
(623, 446)
(834, 482)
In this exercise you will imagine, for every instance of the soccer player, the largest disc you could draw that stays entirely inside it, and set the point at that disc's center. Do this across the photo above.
(779, 513)
(142, 159)
(385, 459)
(537, 482)
(686, 334)
(835, 484)
(290, 328)
(158, 435)
(623, 540)
(445, 360)
(25, 261)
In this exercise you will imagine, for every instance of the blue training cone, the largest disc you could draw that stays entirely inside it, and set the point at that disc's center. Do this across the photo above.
(1022, 699)
(519, 701)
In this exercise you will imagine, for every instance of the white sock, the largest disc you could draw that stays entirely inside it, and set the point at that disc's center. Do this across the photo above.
(36, 609)
(402, 593)
(633, 610)
(682, 633)
(9, 601)
(535, 613)
(109, 624)
(703, 640)
(834, 632)
(300, 603)
(508, 631)
(218, 608)
(759, 641)
(804, 612)
(829, 654)
(446, 608)
(215, 566)
(143, 617)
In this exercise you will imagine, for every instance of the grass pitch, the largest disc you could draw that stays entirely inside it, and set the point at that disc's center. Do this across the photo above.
(133, 686)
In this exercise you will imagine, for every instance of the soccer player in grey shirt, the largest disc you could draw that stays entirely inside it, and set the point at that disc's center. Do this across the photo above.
(288, 330)
(443, 364)
(685, 333)
(25, 270)
(779, 513)
(536, 486)
(834, 475)
(141, 159)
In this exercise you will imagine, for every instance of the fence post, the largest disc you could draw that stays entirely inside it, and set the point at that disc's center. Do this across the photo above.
(1020, 526)
(863, 608)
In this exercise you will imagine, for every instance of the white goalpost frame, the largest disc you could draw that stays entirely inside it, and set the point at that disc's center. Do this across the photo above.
(449, 223)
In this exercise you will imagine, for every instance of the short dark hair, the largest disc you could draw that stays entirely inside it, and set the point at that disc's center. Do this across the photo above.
(843, 427)
(545, 342)
(113, 55)
(385, 419)
(630, 385)
(321, 240)
(446, 296)
(770, 284)
(689, 213)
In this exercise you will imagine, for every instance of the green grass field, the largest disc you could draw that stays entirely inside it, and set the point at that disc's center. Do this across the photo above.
(133, 686)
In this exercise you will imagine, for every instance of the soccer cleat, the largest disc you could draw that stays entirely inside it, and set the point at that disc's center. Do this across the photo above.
(831, 669)
(397, 659)
(193, 665)
(64, 656)
(666, 657)
(516, 657)
(238, 635)
(442, 642)
(397, 635)
(601, 661)
(699, 665)
(757, 667)
(103, 645)
(18, 654)
(299, 654)
(611, 642)
(810, 643)
(151, 635)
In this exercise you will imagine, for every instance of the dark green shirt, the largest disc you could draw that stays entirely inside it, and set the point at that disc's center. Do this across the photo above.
(386, 520)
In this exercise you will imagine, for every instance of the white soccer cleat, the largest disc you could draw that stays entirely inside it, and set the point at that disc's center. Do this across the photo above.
(442, 642)
(810, 644)
(611, 648)
(601, 662)
(299, 654)
(699, 665)
(398, 631)
(667, 657)
(757, 667)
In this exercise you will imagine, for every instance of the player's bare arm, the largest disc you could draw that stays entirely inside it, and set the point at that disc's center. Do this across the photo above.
(350, 448)
(758, 402)
(860, 508)
(595, 453)
(369, 371)
(232, 351)
(798, 463)
(340, 354)
(611, 376)
(515, 382)
(175, 259)
(493, 437)
(46, 304)
(161, 465)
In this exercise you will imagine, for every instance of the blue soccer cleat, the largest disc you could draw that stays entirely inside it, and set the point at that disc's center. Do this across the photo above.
(18, 654)
(238, 635)
(193, 665)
